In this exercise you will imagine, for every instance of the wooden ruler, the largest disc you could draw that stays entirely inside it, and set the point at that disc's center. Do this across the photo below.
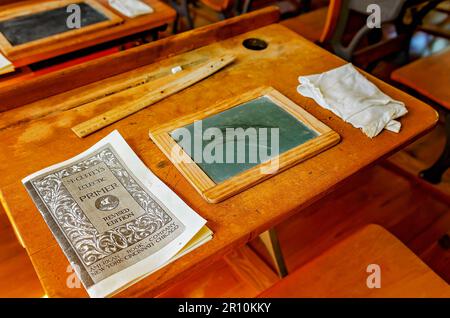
(95, 92)
(159, 90)
(124, 84)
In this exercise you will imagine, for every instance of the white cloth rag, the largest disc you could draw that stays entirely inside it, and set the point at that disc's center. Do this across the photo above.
(349, 95)
(131, 8)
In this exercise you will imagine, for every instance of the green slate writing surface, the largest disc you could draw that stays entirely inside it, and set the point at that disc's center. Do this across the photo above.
(260, 115)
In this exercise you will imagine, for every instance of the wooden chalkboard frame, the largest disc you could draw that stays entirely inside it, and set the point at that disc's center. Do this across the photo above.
(9, 50)
(215, 193)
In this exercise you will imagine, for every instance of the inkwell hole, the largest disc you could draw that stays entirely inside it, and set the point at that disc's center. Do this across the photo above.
(255, 44)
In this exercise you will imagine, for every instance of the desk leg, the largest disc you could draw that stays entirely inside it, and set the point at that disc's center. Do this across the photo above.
(246, 6)
(444, 241)
(270, 240)
(187, 13)
(435, 172)
(154, 33)
(182, 10)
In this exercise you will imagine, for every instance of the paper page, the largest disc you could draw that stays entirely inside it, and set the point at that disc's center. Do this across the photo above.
(131, 8)
(114, 219)
(5, 65)
(198, 240)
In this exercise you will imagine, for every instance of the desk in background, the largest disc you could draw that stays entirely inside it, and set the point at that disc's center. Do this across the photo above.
(103, 40)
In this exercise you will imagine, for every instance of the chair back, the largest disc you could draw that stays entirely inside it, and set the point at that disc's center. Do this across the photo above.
(390, 11)
(334, 10)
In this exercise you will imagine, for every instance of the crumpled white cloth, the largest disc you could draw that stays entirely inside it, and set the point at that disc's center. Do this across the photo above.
(131, 8)
(349, 95)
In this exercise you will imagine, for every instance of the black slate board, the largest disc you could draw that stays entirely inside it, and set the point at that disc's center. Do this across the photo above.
(40, 25)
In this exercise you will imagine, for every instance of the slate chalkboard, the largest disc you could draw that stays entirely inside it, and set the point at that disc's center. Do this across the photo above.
(28, 28)
(203, 161)
(259, 113)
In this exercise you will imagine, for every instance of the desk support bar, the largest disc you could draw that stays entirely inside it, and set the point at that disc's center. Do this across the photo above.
(271, 242)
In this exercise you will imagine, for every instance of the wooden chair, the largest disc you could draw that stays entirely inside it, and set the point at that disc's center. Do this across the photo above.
(348, 268)
(182, 9)
(430, 78)
(229, 8)
(342, 28)
(222, 7)
(317, 25)
(287, 8)
(353, 50)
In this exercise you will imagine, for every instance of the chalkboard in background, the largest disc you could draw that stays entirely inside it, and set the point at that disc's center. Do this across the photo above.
(41, 25)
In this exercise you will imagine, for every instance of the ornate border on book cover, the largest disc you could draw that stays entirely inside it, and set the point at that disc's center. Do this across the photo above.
(78, 237)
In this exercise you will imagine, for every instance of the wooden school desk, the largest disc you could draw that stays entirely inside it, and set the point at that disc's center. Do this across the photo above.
(31, 144)
(163, 15)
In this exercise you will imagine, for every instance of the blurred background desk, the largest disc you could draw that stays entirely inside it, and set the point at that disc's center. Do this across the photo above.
(78, 49)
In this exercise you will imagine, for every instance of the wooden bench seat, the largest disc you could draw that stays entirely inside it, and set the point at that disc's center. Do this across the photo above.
(309, 25)
(218, 5)
(429, 76)
(342, 271)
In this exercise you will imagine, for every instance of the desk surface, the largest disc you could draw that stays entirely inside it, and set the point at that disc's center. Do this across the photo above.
(163, 14)
(429, 76)
(28, 146)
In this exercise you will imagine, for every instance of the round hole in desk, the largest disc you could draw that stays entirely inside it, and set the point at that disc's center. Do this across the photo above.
(255, 44)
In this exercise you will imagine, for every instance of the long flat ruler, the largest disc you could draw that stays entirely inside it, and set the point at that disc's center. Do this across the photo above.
(153, 92)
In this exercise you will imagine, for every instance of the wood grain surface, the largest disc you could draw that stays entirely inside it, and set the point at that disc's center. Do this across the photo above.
(142, 96)
(28, 146)
(128, 61)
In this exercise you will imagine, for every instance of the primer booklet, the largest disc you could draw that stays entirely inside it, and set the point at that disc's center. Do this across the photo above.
(114, 219)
